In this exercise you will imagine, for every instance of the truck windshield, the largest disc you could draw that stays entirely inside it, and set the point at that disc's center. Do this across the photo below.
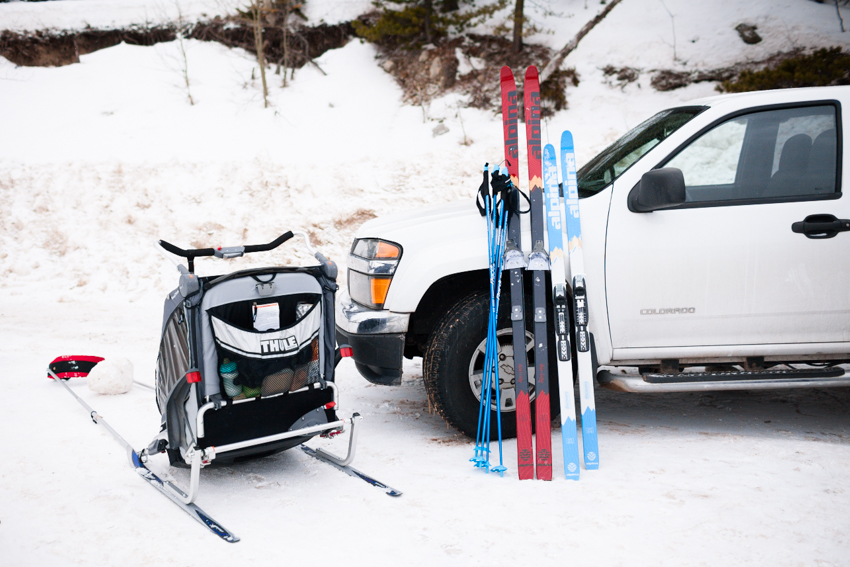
(612, 162)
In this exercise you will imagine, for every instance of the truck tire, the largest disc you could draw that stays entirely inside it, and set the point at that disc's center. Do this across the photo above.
(455, 352)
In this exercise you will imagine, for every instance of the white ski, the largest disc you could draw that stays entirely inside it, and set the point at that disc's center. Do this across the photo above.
(561, 314)
(580, 306)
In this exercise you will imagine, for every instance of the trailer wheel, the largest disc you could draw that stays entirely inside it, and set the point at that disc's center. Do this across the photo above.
(454, 362)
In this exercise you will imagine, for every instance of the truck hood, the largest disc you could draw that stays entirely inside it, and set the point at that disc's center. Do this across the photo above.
(436, 241)
(455, 221)
(448, 239)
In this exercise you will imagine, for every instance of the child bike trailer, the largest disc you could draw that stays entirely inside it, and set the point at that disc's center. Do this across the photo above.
(246, 362)
(245, 369)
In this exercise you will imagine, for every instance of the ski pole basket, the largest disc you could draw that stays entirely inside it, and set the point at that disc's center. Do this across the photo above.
(246, 361)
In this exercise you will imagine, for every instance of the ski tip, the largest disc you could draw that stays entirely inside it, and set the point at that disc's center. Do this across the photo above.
(531, 73)
(506, 74)
(567, 140)
(215, 527)
(548, 151)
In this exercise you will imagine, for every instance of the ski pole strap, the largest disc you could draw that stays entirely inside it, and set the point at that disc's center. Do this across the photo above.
(502, 185)
(509, 193)
(515, 202)
(483, 193)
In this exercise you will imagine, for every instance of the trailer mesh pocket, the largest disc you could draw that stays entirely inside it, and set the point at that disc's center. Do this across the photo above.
(275, 361)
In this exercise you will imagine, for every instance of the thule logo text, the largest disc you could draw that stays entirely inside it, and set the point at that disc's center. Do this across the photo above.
(279, 345)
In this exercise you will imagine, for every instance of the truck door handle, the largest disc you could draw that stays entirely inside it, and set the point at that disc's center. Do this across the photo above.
(820, 226)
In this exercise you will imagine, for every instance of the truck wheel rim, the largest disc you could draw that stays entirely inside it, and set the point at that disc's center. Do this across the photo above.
(507, 383)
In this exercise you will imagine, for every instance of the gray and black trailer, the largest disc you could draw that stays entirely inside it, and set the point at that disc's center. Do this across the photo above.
(246, 361)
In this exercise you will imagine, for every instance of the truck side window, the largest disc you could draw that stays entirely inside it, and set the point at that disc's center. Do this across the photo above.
(613, 161)
(775, 155)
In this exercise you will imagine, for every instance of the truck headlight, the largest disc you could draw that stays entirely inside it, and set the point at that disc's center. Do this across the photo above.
(371, 265)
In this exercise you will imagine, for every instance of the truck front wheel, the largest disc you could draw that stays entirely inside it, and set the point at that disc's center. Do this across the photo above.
(454, 367)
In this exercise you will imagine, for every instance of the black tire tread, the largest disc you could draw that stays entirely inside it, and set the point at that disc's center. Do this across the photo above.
(442, 355)
(438, 350)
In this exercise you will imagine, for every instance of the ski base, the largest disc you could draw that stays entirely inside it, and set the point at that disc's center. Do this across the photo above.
(191, 509)
(351, 471)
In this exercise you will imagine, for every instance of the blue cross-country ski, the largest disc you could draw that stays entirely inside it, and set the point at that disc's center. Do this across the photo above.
(580, 305)
(561, 314)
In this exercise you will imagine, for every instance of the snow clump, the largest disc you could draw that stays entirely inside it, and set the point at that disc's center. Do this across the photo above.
(113, 376)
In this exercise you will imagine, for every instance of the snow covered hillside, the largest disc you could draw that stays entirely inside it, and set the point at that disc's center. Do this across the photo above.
(100, 159)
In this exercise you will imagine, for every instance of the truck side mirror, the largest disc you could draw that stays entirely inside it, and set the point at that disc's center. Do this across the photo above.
(658, 189)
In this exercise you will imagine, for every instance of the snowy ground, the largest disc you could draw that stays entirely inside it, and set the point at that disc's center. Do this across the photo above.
(99, 159)
(689, 479)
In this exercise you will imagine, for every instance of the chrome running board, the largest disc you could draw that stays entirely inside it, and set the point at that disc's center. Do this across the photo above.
(712, 381)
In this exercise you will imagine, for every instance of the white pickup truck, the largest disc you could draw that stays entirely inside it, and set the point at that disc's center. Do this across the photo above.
(727, 269)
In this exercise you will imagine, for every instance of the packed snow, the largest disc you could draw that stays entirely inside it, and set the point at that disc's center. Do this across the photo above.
(113, 376)
(100, 159)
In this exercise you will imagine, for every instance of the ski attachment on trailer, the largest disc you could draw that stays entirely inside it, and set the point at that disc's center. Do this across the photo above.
(580, 306)
(65, 367)
(191, 509)
(351, 471)
(560, 313)
(538, 265)
(515, 262)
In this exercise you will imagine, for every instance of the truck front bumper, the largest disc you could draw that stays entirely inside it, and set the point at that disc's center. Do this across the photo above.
(376, 337)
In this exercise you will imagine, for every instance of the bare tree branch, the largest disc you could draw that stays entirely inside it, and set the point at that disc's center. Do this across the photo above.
(185, 66)
(559, 57)
(673, 24)
(518, 21)
(257, 11)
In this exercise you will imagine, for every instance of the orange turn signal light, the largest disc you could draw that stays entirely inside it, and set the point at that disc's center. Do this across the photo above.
(379, 288)
(387, 250)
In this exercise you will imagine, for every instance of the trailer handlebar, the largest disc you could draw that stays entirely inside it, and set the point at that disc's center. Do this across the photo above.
(224, 252)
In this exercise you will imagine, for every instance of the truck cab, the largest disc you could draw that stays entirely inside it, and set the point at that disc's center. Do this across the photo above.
(717, 253)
